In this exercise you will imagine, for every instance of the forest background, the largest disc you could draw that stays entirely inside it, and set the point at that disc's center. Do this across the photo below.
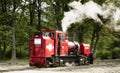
(20, 19)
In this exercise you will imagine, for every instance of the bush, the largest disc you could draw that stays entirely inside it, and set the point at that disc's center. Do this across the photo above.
(22, 53)
(104, 54)
(116, 53)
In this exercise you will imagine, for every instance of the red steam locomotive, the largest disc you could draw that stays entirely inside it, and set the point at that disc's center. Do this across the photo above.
(52, 48)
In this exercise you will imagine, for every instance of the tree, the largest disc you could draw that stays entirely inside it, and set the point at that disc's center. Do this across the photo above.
(32, 5)
(3, 10)
(95, 37)
(39, 10)
(55, 12)
(13, 23)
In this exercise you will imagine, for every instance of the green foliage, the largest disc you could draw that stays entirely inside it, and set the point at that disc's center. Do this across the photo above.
(100, 1)
(82, 31)
(84, 1)
(107, 43)
(116, 53)
(104, 54)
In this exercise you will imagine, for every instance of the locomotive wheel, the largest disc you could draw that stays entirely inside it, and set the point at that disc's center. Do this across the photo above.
(82, 61)
(47, 64)
(31, 64)
(38, 65)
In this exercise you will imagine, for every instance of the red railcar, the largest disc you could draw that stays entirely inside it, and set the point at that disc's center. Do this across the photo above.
(52, 48)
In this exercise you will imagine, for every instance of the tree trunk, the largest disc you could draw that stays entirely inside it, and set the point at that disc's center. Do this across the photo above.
(0, 51)
(13, 57)
(81, 33)
(13, 45)
(65, 6)
(3, 5)
(95, 38)
(39, 14)
(32, 11)
(4, 47)
(31, 17)
(57, 13)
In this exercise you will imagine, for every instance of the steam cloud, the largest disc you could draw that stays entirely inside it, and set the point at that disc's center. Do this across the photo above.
(91, 10)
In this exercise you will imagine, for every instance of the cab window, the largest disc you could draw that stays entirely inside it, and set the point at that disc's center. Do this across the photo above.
(62, 37)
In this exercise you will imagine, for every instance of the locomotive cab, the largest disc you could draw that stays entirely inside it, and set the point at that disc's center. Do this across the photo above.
(47, 45)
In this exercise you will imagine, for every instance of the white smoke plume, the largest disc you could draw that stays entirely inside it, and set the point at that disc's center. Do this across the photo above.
(90, 10)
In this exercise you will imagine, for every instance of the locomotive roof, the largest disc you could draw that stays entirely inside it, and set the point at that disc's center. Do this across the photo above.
(52, 31)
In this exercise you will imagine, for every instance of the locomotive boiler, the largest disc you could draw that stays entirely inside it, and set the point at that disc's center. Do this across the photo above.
(52, 48)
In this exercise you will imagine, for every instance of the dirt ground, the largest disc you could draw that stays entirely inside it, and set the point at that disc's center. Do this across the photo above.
(98, 67)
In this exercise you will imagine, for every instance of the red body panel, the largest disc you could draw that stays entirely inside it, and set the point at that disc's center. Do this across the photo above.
(64, 49)
(48, 45)
(71, 46)
(35, 47)
(37, 55)
(84, 49)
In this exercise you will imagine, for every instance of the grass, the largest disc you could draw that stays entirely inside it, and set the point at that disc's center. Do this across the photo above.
(17, 60)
